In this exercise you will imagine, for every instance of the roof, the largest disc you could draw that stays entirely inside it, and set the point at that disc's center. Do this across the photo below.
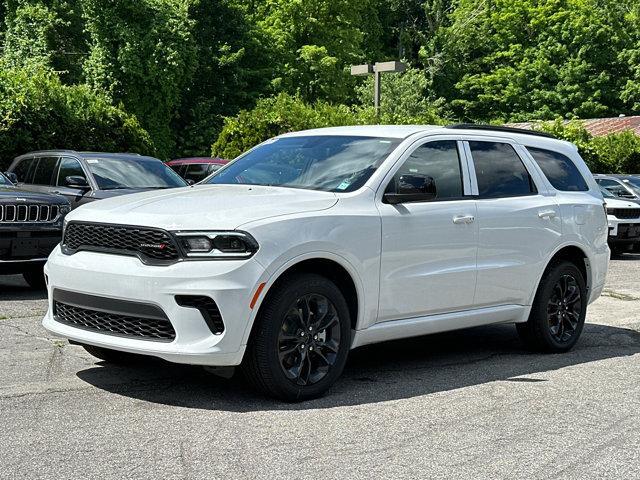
(388, 131)
(127, 155)
(190, 160)
(597, 126)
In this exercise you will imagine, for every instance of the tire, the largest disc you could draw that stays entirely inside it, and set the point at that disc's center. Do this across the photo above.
(552, 332)
(279, 360)
(113, 356)
(35, 278)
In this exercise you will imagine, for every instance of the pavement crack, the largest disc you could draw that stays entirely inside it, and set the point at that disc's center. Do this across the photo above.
(619, 295)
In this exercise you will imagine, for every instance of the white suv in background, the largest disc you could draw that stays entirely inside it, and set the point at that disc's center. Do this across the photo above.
(317, 242)
(624, 223)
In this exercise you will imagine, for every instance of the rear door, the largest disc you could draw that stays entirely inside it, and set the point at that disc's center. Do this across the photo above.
(519, 222)
(42, 174)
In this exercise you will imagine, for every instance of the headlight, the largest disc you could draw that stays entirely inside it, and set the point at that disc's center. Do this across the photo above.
(217, 245)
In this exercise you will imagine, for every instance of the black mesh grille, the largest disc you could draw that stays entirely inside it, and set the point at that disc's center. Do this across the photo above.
(147, 243)
(625, 213)
(112, 323)
(207, 308)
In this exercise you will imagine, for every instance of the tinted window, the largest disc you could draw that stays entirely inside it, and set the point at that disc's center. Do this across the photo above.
(332, 163)
(44, 169)
(197, 172)
(559, 169)
(69, 167)
(439, 160)
(23, 170)
(500, 171)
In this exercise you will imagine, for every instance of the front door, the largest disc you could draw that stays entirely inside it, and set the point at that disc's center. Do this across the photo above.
(70, 167)
(428, 262)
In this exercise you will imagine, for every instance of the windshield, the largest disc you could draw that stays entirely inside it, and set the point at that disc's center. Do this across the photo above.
(633, 182)
(328, 163)
(606, 193)
(120, 173)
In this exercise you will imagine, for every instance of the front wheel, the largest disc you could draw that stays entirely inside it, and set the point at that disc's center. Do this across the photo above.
(301, 339)
(558, 312)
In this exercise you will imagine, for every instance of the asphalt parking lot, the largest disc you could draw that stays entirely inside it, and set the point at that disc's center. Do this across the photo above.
(465, 404)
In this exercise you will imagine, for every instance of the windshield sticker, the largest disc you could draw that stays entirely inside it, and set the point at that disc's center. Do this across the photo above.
(344, 185)
(92, 160)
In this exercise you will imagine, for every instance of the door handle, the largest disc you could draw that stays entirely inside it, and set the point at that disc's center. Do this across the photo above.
(463, 219)
(547, 214)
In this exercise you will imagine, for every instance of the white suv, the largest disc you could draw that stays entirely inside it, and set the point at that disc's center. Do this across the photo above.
(317, 242)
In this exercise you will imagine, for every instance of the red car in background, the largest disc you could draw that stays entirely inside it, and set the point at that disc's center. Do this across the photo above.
(197, 168)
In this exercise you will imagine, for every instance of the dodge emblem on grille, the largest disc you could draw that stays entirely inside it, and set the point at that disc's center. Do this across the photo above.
(159, 246)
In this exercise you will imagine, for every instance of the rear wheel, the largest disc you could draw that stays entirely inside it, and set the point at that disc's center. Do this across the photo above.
(301, 341)
(35, 278)
(558, 312)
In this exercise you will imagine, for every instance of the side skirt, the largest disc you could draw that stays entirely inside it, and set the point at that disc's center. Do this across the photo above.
(414, 327)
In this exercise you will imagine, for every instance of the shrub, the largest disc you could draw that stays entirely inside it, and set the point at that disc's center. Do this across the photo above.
(274, 116)
(285, 113)
(37, 112)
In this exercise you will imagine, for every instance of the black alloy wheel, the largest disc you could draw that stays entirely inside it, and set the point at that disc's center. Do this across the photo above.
(559, 310)
(301, 338)
(564, 309)
(309, 339)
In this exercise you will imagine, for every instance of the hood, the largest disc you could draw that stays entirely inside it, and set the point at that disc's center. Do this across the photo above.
(11, 194)
(615, 203)
(210, 207)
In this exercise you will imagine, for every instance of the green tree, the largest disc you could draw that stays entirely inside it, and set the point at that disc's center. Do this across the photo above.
(38, 112)
(143, 55)
(232, 69)
(314, 42)
(45, 33)
(536, 58)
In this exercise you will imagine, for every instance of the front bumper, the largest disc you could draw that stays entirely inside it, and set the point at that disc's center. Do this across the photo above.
(25, 246)
(230, 284)
(623, 231)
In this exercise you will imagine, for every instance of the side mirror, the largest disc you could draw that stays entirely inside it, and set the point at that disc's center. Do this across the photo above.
(413, 188)
(76, 181)
(11, 176)
(190, 181)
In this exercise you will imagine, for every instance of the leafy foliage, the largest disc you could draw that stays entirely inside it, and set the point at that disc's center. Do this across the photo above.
(538, 59)
(38, 112)
(285, 113)
(180, 67)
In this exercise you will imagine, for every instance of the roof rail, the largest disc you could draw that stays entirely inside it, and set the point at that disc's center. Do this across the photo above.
(499, 128)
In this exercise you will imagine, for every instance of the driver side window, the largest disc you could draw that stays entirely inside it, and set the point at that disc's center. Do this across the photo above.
(69, 167)
(439, 160)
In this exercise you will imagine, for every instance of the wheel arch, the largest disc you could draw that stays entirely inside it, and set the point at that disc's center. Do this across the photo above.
(574, 254)
(331, 266)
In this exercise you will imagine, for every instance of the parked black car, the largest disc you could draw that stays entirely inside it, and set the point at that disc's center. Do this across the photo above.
(30, 228)
(87, 176)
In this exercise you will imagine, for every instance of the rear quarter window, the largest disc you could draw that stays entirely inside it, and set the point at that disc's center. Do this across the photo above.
(559, 170)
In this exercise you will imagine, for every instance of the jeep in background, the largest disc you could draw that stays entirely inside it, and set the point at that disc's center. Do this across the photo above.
(83, 177)
(30, 228)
